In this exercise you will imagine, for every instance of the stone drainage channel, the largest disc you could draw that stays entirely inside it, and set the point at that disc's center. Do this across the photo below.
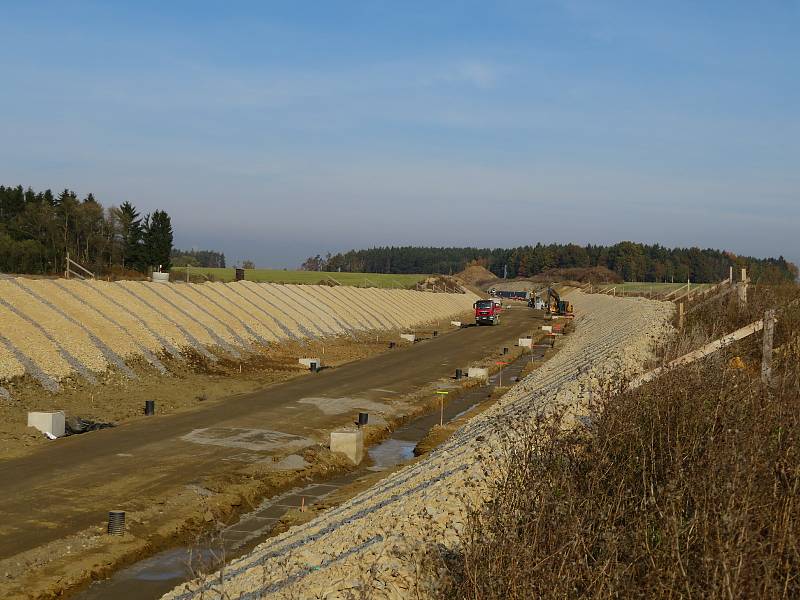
(154, 576)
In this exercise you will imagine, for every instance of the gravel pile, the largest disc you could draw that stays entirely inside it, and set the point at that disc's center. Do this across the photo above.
(53, 329)
(373, 545)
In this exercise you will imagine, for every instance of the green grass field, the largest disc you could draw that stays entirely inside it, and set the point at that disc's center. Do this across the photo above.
(306, 277)
(638, 287)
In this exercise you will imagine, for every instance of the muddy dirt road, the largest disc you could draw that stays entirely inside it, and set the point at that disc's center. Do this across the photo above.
(72, 483)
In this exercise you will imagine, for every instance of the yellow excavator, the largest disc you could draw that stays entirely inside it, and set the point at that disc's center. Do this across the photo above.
(555, 305)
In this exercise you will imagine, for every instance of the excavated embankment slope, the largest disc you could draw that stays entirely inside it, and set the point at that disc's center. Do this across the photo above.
(370, 546)
(54, 329)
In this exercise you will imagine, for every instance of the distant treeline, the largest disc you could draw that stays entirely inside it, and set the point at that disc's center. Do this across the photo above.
(198, 258)
(632, 261)
(38, 229)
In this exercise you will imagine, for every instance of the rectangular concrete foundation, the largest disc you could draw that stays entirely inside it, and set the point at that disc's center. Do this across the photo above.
(455, 323)
(349, 443)
(48, 422)
(525, 342)
(306, 362)
(478, 372)
(409, 337)
(547, 328)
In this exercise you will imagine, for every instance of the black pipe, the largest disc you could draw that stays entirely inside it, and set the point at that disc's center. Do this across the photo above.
(362, 419)
(149, 407)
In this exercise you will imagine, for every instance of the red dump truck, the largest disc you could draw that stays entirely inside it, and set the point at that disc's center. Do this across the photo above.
(487, 312)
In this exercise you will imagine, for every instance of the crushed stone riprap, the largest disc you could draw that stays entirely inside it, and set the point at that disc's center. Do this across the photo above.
(373, 545)
(55, 329)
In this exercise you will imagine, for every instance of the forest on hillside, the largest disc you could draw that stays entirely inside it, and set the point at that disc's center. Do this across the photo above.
(38, 229)
(198, 258)
(632, 261)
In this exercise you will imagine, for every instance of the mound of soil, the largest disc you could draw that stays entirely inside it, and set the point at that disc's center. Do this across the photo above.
(476, 275)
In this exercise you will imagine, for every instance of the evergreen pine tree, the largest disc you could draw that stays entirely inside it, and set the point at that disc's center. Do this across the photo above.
(157, 238)
(130, 237)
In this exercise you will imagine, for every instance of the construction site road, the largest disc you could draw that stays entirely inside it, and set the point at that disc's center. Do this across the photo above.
(72, 483)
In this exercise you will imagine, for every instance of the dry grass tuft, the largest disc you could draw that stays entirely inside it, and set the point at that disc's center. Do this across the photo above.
(686, 487)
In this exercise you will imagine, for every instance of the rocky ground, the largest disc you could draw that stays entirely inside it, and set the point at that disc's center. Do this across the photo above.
(378, 544)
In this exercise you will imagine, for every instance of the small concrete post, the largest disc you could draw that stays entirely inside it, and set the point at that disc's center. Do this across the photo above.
(730, 275)
(680, 316)
(766, 348)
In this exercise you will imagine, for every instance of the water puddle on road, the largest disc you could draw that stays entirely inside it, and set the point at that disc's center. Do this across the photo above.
(154, 576)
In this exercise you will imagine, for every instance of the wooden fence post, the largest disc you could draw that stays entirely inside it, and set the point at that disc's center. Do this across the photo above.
(680, 316)
(766, 348)
(741, 289)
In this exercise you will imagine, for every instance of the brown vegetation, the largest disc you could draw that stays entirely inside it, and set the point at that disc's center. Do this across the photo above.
(686, 487)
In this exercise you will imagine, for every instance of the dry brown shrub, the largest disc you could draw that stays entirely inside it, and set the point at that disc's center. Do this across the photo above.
(686, 487)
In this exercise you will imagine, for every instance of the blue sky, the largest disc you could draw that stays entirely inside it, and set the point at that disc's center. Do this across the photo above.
(274, 131)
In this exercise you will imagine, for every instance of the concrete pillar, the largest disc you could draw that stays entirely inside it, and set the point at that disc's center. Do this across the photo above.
(53, 422)
(307, 362)
(478, 372)
(349, 443)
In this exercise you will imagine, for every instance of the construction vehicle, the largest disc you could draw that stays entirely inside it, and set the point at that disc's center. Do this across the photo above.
(555, 305)
(487, 312)
(536, 302)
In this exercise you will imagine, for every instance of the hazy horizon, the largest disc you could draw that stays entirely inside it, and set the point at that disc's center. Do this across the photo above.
(275, 132)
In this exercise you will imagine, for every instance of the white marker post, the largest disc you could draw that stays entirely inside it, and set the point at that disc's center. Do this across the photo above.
(442, 394)
(500, 372)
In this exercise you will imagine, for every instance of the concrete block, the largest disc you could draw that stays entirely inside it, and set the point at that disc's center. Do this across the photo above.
(547, 328)
(349, 443)
(455, 323)
(525, 342)
(410, 337)
(160, 277)
(48, 422)
(478, 372)
(306, 362)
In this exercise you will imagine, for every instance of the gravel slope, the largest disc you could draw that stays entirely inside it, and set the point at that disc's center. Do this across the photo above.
(372, 544)
(54, 329)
